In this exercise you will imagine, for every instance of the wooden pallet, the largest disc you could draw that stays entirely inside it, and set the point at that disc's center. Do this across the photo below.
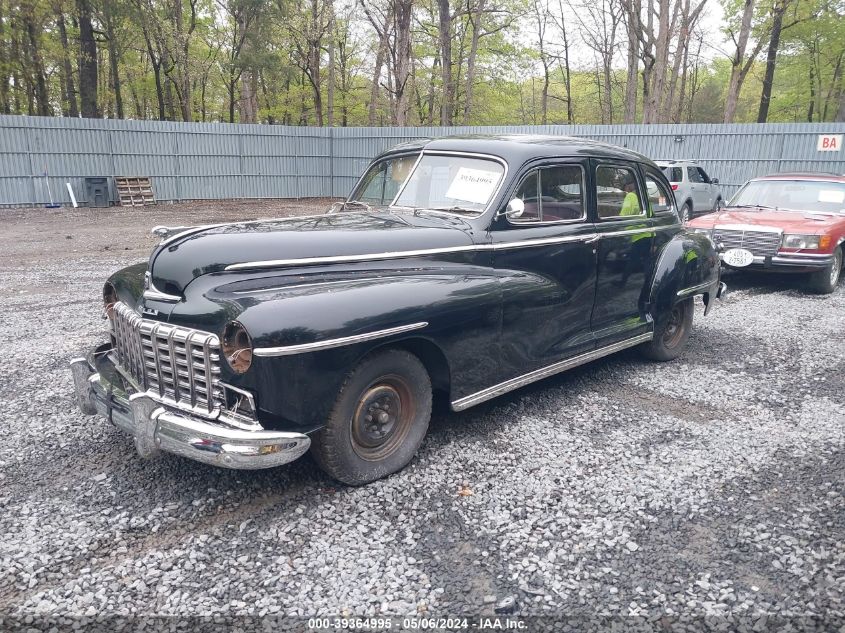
(134, 191)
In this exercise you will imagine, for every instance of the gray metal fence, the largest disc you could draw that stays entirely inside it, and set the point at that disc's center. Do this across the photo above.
(188, 161)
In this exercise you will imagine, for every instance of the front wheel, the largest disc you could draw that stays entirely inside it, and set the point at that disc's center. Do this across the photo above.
(824, 281)
(379, 419)
(671, 333)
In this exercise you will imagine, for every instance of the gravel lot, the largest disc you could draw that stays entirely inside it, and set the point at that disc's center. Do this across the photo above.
(710, 486)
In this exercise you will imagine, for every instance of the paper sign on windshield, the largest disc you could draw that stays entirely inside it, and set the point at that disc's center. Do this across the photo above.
(837, 197)
(473, 185)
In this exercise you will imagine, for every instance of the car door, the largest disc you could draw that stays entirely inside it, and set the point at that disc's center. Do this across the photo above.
(546, 261)
(698, 189)
(630, 236)
(708, 200)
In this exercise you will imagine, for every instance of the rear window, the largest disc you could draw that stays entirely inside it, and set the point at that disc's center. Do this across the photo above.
(673, 174)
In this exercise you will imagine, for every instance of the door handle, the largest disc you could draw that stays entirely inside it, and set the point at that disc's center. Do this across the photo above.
(592, 238)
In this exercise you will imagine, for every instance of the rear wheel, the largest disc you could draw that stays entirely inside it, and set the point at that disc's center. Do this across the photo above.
(671, 333)
(720, 204)
(825, 280)
(378, 421)
(685, 213)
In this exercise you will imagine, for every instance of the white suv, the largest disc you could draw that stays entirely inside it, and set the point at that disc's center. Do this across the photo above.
(695, 192)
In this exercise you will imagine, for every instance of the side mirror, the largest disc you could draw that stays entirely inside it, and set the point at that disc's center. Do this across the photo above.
(515, 209)
(715, 181)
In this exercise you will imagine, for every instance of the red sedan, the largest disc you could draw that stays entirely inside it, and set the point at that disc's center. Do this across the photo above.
(783, 223)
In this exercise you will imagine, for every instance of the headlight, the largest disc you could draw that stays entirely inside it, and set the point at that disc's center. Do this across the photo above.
(707, 232)
(800, 241)
(109, 299)
(237, 347)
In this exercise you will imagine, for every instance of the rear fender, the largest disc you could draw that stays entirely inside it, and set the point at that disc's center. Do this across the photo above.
(687, 266)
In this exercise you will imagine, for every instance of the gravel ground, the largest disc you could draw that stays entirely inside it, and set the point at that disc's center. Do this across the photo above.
(709, 487)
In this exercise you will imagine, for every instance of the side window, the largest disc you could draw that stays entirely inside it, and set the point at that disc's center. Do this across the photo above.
(677, 175)
(381, 184)
(693, 175)
(617, 194)
(552, 194)
(659, 199)
(703, 174)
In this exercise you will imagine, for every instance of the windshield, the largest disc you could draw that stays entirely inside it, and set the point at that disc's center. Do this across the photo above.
(381, 183)
(793, 195)
(459, 184)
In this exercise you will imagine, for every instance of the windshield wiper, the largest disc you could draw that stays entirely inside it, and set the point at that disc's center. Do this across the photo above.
(751, 206)
(455, 209)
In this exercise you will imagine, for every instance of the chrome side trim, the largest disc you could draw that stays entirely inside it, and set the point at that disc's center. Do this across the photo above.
(645, 229)
(685, 292)
(371, 257)
(542, 241)
(544, 372)
(302, 348)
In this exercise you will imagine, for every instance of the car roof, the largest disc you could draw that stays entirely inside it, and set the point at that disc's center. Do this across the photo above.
(675, 161)
(804, 175)
(518, 148)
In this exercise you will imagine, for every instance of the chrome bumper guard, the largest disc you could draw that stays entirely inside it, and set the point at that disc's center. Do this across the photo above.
(156, 428)
(792, 260)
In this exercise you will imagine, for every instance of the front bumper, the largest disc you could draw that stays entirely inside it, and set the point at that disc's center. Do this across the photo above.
(156, 428)
(788, 262)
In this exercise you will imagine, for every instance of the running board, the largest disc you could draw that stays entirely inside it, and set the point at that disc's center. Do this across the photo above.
(538, 374)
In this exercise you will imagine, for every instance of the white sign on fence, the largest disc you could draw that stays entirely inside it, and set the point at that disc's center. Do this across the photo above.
(829, 143)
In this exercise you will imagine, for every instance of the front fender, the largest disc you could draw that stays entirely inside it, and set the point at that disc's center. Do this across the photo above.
(456, 312)
(688, 265)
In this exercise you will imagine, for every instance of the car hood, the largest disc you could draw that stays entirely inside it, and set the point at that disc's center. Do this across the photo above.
(195, 252)
(789, 221)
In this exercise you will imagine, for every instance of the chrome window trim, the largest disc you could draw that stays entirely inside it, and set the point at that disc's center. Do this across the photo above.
(517, 224)
(544, 372)
(645, 229)
(303, 348)
(438, 152)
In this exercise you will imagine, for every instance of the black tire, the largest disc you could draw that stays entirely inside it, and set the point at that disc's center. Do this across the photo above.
(685, 214)
(824, 281)
(394, 388)
(720, 204)
(671, 333)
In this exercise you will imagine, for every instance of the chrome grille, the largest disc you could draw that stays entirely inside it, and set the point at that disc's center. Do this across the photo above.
(761, 243)
(178, 365)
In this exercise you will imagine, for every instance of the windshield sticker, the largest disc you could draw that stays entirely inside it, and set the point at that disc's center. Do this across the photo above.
(831, 195)
(473, 185)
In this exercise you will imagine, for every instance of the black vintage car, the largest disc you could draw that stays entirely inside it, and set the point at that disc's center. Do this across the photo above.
(468, 267)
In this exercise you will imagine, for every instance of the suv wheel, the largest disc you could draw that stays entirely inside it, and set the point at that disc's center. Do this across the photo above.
(685, 213)
(379, 419)
(720, 204)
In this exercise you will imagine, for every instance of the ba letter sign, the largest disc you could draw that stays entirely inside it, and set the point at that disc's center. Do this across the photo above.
(829, 143)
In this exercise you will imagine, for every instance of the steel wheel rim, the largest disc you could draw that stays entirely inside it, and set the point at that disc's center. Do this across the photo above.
(382, 418)
(835, 268)
(674, 328)
(684, 214)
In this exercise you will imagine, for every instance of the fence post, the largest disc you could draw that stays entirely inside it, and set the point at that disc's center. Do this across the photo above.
(331, 162)
(177, 165)
(31, 166)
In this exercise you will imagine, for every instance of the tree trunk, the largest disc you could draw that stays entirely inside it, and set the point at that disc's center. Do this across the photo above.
(630, 115)
(447, 102)
(87, 62)
(402, 60)
(42, 101)
(771, 60)
(332, 70)
(811, 108)
(475, 23)
(739, 66)
(68, 88)
(114, 58)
